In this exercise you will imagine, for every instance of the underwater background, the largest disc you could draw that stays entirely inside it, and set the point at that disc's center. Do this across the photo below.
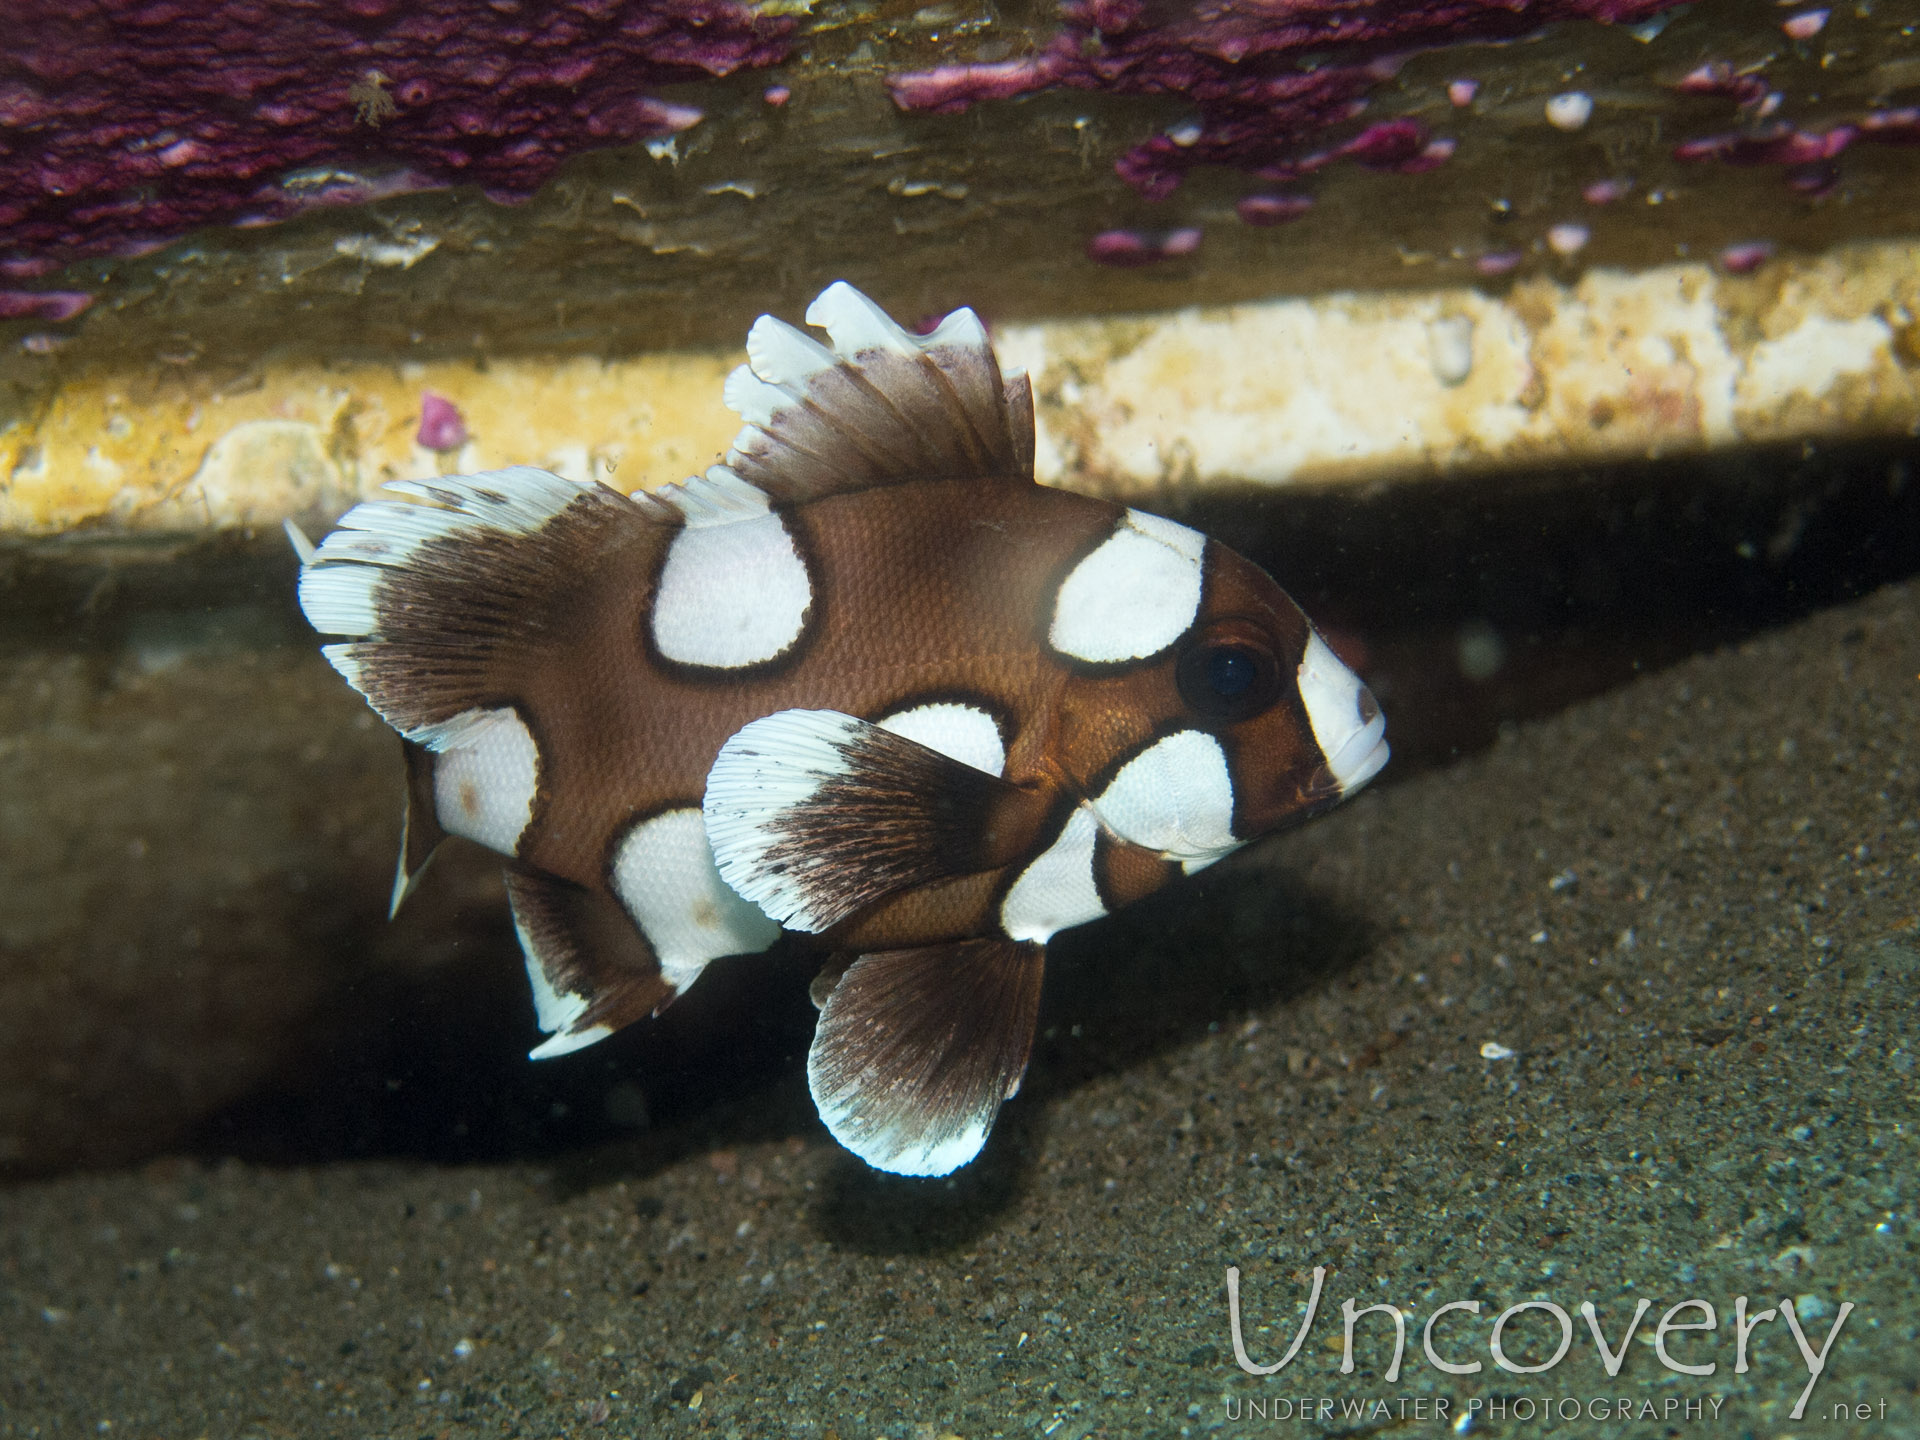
(1559, 356)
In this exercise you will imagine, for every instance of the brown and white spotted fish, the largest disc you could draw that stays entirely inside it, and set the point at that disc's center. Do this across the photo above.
(865, 679)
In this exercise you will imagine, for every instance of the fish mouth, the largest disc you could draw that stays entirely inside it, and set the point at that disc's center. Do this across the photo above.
(1354, 762)
(1361, 756)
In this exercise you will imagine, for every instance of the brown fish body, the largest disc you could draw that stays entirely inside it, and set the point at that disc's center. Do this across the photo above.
(866, 680)
(632, 734)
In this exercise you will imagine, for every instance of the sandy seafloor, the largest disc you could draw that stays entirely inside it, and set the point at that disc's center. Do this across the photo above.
(1687, 909)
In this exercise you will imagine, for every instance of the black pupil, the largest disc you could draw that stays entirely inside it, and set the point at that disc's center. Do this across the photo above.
(1231, 672)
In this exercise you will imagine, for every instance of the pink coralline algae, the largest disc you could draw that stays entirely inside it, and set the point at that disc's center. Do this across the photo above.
(42, 304)
(1268, 77)
(1814, 180)
(1568, 239)
(1805, 25)
(1747, 257)
(441, 425)
(1273, 209)
(1770, 145)
(1717, 77)
(1395, 145)
(126, 122)
(1811, 157)
(1892, 127)
(1128, 248)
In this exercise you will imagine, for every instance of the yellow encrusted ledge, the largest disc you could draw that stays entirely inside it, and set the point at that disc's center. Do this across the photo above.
(1331, 389)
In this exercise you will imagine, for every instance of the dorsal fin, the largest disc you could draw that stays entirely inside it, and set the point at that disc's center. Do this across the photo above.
(718, 497)
(875, 405)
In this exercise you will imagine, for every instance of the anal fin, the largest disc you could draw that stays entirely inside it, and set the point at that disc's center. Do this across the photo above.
(591, 970)
(916, 1050)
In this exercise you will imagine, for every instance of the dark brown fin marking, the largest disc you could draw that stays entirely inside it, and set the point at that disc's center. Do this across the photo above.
(814, 815)
(916, 1050)
(592, 971)
(437, 595)
(879, 407)
(420, 832)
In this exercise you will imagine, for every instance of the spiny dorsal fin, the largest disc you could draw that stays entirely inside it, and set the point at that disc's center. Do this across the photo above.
(916, 1049)
(718, 497)
(814, 815)
(591, 970)
(876, 405)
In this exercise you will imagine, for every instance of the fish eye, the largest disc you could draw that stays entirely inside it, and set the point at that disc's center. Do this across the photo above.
(1231, 671)
(1227, 679)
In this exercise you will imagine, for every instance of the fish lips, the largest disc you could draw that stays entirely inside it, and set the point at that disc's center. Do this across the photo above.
(1358, 759)
(1360, 756)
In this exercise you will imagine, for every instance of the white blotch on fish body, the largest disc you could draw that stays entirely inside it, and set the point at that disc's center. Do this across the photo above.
(1134, 595)
(485, 773)
(960, 732)
(664, 874)
(1175, 797)
(734, 590)
(1057, 891)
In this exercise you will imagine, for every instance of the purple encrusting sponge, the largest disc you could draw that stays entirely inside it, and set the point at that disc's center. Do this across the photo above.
(1242, 64)
(124, 123)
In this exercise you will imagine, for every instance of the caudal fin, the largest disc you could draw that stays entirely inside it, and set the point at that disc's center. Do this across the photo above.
(451, 608)
(439, 599)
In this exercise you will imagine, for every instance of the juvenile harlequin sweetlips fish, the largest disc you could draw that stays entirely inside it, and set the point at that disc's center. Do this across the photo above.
(865, 679)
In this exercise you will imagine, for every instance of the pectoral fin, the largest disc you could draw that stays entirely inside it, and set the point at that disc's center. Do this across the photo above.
(916, 1049)
(814, 815)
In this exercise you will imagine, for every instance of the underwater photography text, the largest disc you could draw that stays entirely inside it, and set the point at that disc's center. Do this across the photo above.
(1690, 1315)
